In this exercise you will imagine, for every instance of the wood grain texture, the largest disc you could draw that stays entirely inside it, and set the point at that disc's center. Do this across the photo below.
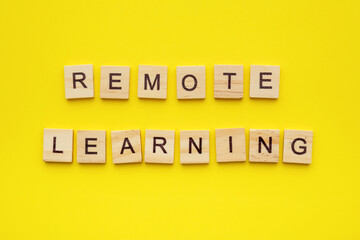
(126, 146)
(269, 86)
(95, 149)
(114, 82)
(230, 145)
(264, 151)
(228, 81)
(297, 146)
(192, 155)
(159, 90)
(58, 145)
(190, 81)
(159, 146)
(79, 91)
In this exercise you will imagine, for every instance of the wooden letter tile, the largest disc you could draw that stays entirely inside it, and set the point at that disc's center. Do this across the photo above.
(58, 145)
(190, 82)
(194, 147)
(264, 145)
(228, 81)
(152, 82)
(79, 81)
(230, 145)
(159, 146)
(126, 146)
(264, 81)
(91, 146)
(114, 82)
(297, 146)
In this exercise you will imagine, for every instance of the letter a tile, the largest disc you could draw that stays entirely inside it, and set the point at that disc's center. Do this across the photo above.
(126, 146)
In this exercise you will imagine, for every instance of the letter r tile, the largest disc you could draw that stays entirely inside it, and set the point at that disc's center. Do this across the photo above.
(79, 82)
(159, 146)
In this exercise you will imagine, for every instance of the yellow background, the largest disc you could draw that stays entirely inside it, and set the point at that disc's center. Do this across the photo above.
(316, 43)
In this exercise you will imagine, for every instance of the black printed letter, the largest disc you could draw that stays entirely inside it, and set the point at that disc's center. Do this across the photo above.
(304, 148)
(268, 148)
(192, 142)
(87, 145)
(54, 147)
(195, 82)
(80, 80)
(111, 80)
(126, 141)
(229, 78)
(265, 80)
(156, 81)
(230, 144)
(161, 145)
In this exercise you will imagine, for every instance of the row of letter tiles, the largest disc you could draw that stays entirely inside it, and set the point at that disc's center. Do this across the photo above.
(152, 81)
(194, 146)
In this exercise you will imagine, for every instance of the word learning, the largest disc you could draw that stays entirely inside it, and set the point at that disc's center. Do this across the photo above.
(264, 146)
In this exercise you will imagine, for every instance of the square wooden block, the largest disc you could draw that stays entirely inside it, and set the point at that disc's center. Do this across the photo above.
(190, 82)
(159, 146)
(228, 81)
(264, 81)
(126, 146)
(297, 146)
(79, 81)
(91, 146)
(152, 82)
(230, 145)
(194, 147)
(114, 82)
(264, 145)
(58, 145)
